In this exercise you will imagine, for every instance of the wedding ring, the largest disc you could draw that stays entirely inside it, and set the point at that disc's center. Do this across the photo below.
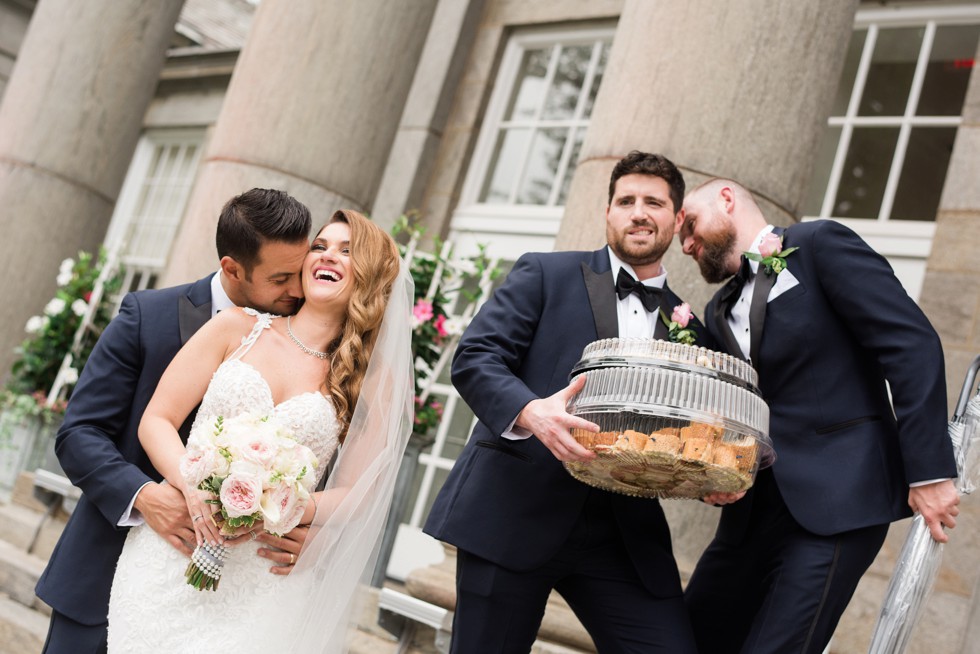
(292, 559)
(196, 518)
(253, 535)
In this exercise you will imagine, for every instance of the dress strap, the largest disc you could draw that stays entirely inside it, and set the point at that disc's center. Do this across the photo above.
(262, 321)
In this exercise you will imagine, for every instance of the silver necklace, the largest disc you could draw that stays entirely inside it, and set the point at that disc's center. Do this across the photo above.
(299, 343)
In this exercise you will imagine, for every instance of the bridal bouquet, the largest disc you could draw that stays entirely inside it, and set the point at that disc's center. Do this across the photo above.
(256, 470)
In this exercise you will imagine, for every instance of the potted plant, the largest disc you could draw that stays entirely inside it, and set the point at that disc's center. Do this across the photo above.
(58, 343)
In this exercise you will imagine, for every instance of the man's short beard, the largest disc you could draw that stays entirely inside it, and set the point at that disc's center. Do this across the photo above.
(715, 252)
(643, 257)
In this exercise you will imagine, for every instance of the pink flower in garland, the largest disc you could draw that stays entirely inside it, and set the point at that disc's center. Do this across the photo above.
(440, 325)
(422, 311)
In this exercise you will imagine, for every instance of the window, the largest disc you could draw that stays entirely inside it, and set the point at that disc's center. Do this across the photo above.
(532, 133)
(152, 203)
(888, 141)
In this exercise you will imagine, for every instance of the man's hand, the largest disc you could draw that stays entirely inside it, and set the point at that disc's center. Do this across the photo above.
(286, 549)
(547, 419)
(720, 499)
(165, 511)
(938, 505)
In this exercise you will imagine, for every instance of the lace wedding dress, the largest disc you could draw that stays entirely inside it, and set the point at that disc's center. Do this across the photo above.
(152, 608)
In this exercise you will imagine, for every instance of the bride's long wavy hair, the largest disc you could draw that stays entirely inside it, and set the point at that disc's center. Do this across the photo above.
(374, 263)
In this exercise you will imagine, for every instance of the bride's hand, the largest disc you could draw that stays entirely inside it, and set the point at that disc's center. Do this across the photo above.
(243, 535)
(202, 518)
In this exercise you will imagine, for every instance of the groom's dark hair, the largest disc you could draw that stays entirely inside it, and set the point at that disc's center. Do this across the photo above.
(254, 217)
(655, 165)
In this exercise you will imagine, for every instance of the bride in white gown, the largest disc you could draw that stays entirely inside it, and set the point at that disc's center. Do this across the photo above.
(339, 371)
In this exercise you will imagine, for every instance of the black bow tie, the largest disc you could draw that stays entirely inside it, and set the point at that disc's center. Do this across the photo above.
(733, 289)
(649, 296)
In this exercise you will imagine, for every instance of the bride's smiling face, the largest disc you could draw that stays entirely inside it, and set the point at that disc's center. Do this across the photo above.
(328, 275)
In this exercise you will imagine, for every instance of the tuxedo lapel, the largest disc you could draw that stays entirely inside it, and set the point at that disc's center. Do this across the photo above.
(602, 298)
(757, 312)
(194, 308)
(724, 330)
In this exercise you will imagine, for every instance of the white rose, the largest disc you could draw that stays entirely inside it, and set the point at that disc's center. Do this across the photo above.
(454, 326)
(35, 324)
(67, 266)
(55, 306)
(71, 375)
(282, 509)
(79, 307)
(63, 278)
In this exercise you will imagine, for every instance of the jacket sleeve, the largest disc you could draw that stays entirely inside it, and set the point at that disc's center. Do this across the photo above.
(490, 353)
(88, 443)
(885, 321)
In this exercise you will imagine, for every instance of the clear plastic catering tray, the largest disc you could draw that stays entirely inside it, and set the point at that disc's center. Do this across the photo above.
(675, 421)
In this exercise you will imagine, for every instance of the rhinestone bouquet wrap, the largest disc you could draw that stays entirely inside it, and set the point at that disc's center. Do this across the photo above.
(254, 469)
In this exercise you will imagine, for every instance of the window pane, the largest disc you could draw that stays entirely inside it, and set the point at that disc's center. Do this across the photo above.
(865, 173)
(821, 171)
(573, 62)
(923, 173)
(504, 165)
(572, 161)
(597, 79)
(886, 91)
(542, 166)
(948, 72)
(851, 62)
(529, 87)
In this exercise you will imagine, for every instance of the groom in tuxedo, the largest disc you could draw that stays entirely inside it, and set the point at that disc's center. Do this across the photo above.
(826, 324)
(262, 239)
(521, 523)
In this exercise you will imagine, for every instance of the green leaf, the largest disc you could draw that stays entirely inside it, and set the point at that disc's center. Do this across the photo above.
(753, 256)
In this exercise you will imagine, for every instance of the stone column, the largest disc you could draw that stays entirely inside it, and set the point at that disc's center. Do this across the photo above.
(312, 109)
(70, 119)
(951, 299)
(739, 89)
(440, 69)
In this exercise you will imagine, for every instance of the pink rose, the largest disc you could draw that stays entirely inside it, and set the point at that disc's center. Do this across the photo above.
(282, 509)
(440, 325)
(241, 494)
(198, 463)
(771, 244)
(682, 315)
(422, 311)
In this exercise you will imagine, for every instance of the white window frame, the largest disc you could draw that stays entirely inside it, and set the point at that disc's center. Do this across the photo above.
(910, 238)
(140, 271)
(906, 243)
(510, 229)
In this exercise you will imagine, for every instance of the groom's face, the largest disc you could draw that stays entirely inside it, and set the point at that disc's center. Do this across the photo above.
(273, 283)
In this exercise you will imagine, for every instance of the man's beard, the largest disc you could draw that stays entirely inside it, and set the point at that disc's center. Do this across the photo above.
(715, 252)
(639, 256)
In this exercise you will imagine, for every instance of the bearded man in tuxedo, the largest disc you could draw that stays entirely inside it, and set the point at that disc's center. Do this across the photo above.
(522, 525)
(825, 322)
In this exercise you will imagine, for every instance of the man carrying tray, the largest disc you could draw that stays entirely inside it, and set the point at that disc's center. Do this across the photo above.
(521, 523)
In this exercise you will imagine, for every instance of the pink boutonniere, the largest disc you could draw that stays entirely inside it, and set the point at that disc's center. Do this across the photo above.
(771, 254)
(677, 331)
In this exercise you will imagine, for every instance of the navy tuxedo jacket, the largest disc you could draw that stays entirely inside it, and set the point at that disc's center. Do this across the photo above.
(823, 351)
(512, 502)
(98, 446)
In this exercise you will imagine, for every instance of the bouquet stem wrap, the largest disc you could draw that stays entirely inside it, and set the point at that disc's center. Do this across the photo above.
(204, 570)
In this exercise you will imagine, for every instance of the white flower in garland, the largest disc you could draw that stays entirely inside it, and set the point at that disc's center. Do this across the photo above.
(71, 375)
(55, 307)
(79, 307)
(35, 324)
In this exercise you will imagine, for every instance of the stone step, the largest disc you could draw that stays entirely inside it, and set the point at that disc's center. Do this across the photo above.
(21, 526)
(22, 630)
(19, 572)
